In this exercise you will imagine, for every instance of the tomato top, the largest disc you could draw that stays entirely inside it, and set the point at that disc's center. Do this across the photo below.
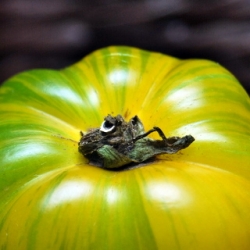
(43, 111)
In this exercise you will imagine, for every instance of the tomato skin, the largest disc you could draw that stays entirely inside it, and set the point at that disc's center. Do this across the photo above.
(51, 198)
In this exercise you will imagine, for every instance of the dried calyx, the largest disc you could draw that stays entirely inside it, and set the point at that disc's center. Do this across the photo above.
(118, 143)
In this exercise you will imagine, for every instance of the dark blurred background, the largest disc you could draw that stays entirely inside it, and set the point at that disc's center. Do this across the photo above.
(57, 33)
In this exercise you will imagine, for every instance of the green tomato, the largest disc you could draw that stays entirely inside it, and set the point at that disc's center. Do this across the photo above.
(52, 198)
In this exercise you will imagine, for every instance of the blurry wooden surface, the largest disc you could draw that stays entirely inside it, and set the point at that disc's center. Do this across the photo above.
(54, 34)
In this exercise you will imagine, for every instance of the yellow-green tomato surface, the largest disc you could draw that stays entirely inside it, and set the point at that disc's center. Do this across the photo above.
(52, 198)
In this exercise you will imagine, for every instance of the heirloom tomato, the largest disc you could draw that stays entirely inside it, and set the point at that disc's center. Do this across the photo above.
(52, 198)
